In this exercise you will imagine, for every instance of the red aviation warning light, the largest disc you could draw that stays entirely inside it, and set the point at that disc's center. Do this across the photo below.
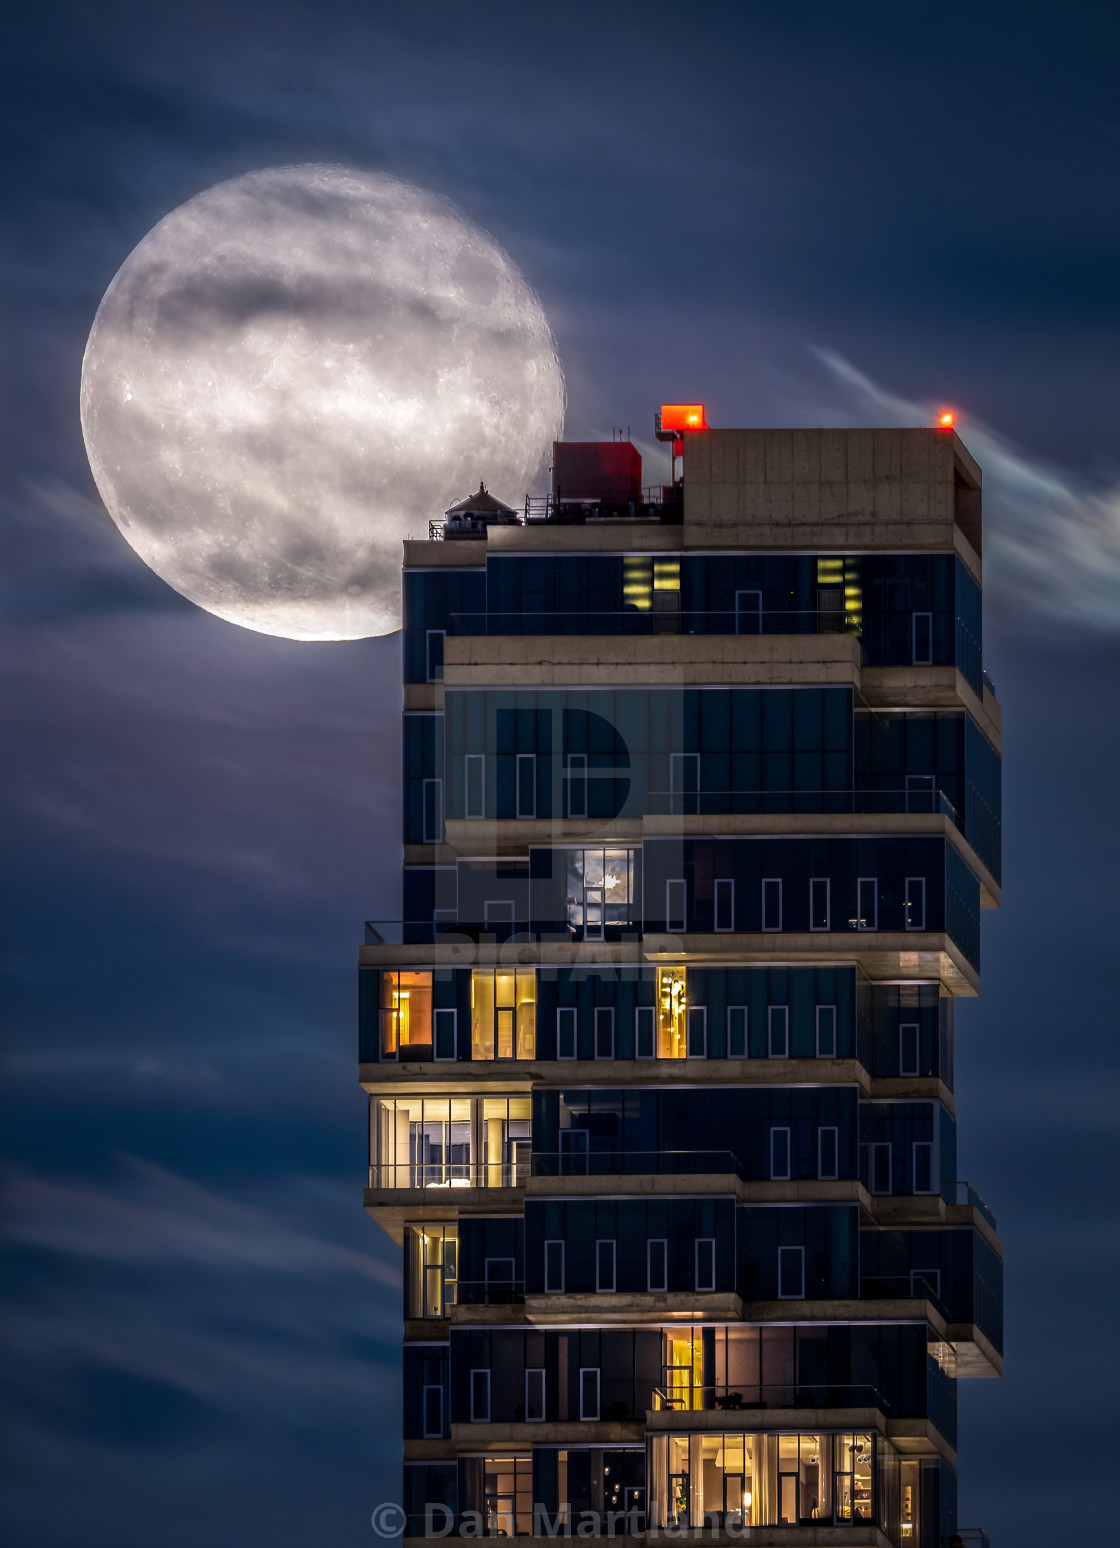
(946, 420)
(683, 416)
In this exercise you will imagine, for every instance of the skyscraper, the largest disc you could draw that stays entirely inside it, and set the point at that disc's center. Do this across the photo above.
(701, 808)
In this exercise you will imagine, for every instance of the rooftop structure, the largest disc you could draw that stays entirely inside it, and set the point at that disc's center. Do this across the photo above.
(701, 809)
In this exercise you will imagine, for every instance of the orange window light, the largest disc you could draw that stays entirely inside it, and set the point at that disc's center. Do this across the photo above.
(946, 419)
(683, 416)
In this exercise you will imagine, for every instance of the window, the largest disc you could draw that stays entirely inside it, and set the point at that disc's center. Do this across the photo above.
(725, 904)
(566, 1032)
(867, 903)
(474, 785)
(432, 1408)
(779, 1154)
(480, 1397)
(600, 891)
(433, 811)
(446, 1024)
(705, 1263)
(534, 1396)
(737, 1031)
(920, 793)
(676, 905)
(778, 1019)
(431, 1279)
(672, 1012)
(923, 1166)
(791, 1273)
(589, 1393)
(697, 1031)
(772, 903)
(526, 784)
(604, 1267)
(604, 1032)
(923, 639)
(498, 1274)
(645, 1021)
(748, 612)
(657, 1264)
(925, 1282)
(830, 610)
(497, 914)
(554, 1268)
(826, 1032)
(435, 655)
(828, 1153)
(406, 1016)
(915, 903)
(684, 783)
(503, 1013)
(819, 903)
(881, 1168)
(908, 1048)
(576, 785)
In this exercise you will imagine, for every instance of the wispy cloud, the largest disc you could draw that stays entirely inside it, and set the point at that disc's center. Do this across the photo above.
(1052, 539)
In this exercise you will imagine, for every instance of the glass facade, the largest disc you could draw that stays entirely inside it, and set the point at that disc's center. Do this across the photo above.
(660, 1053)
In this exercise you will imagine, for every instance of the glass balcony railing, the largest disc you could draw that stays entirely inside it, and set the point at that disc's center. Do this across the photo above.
(577, 1162)
(965, 1193)
(908, 801)
(686, 1397)
(451, 1174)
(661, 613)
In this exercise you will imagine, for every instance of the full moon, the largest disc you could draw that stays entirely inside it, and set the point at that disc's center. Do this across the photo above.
(295, 370)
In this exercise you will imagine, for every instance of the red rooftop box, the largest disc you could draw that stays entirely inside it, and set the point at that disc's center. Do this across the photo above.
(596, 472)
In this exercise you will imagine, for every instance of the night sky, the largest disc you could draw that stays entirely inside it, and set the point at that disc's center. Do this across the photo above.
(798, 214)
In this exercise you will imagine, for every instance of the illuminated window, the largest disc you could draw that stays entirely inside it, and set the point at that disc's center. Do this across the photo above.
(507, 1495)
(599, 891)
(503, 1013)
(431, 1270)
(423, 1142)
(852, 1478)
(637, 582)
(406, 1016)
(672, 1013)
(505, 1139)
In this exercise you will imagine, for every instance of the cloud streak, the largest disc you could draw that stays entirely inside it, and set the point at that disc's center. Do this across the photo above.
(1052, 541)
